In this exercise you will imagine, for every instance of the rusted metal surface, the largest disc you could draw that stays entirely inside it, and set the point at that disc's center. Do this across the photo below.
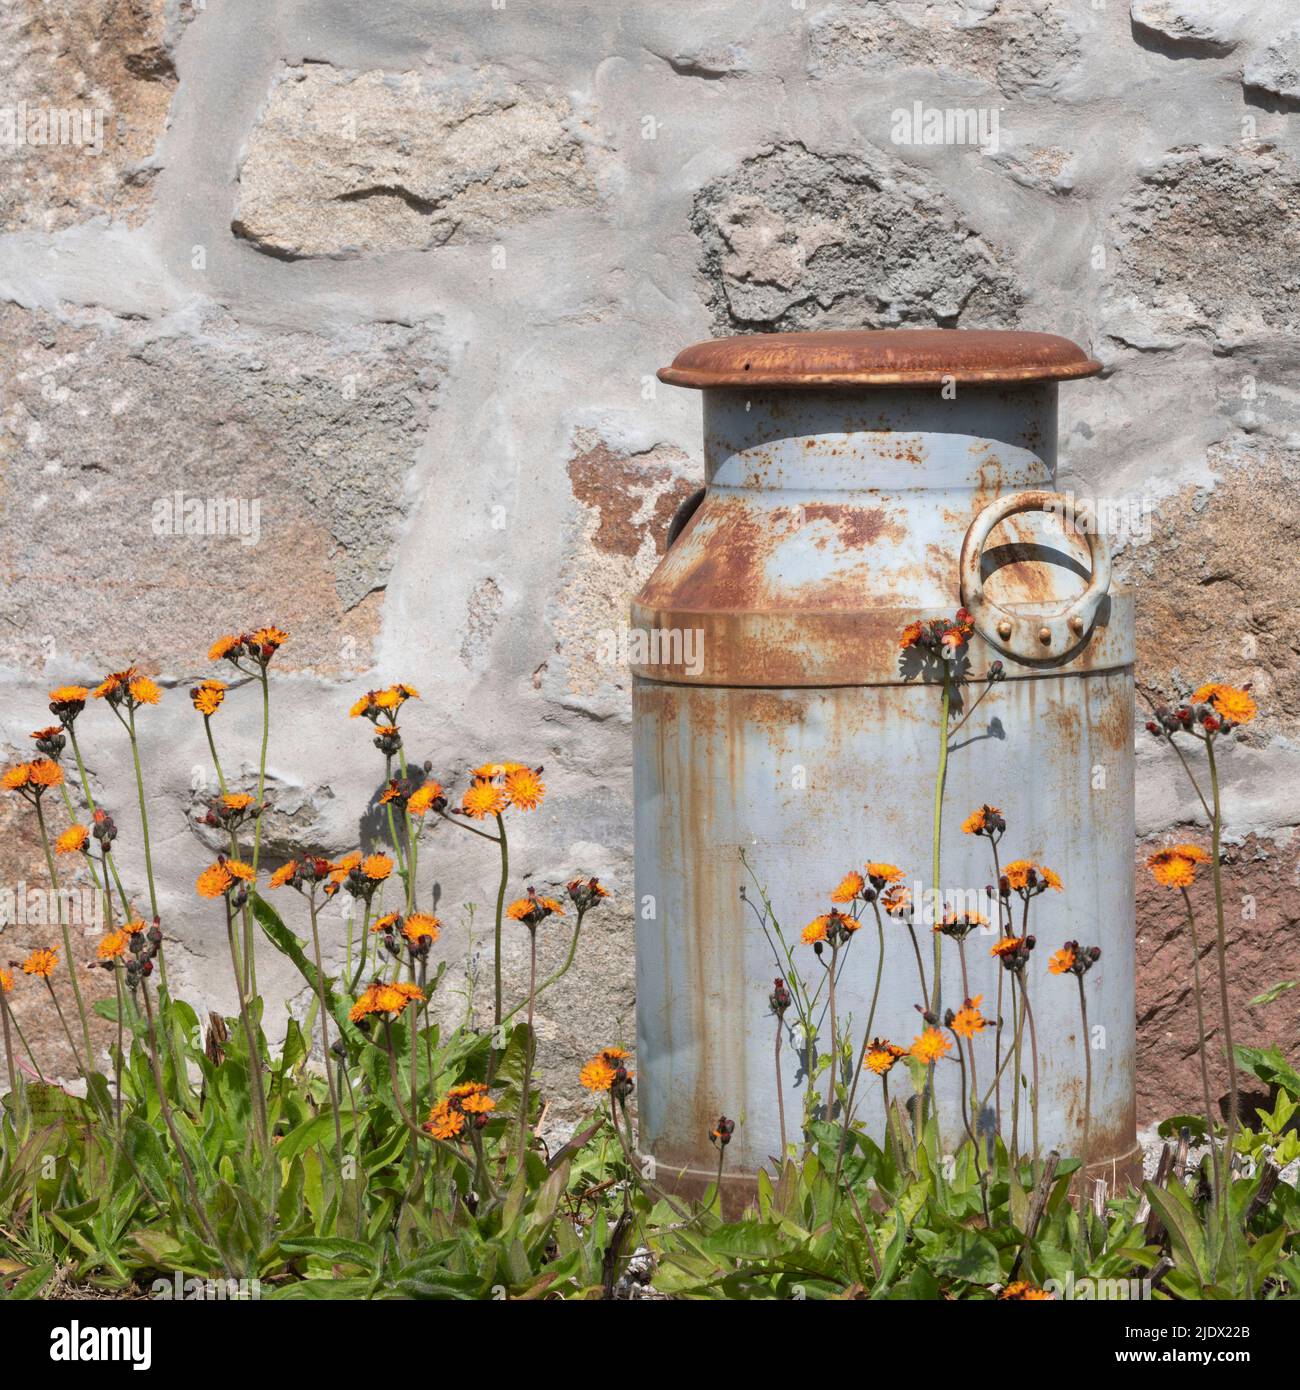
(830, 521)
(878, 357)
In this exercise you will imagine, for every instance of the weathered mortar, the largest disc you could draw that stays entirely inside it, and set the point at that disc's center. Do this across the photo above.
(431, 356)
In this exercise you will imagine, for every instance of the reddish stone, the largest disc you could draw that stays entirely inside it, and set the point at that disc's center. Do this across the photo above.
(1262, 926)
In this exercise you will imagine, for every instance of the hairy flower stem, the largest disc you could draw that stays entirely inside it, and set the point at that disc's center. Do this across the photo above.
(1087, 1102)
(1221, 942)
(250, 1037)
(103, 888)
(365, 947)
(407, 1119)
(891, 1126)
(970, 1042)
(1018, 1013)
(346, 1077)
(9, 1044)
(412, 843)
(501, 907)
(117, 1060)
(1201, 1048)
(835, 1042)
(67, 1032)
(997, 1057)
(862, 1053)
(529, 1045)
(562, 971)
(1033, 1052)
(9, 1018)
(63, 928)
(90, 802)
(212, 748)
(970, 1134)
(144, 826)
(940, 778)
(1004, 929)
(165, 1107)
(250, 942)
(325, 1031)
(780, 1089)
(920, 965)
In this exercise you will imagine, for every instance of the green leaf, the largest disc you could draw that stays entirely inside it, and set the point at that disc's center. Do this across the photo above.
(1184, 1227)
(1270, 1066)
(30, 1284)
(1018, 1201)
(893, 1255)
(971, 1256)
(288, 944)
(1273, 992)
(1194, 1124)
(308, 1289)
(319, 1130)
(334, 1249)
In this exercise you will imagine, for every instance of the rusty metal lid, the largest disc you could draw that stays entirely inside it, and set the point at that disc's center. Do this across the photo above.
(878, 357)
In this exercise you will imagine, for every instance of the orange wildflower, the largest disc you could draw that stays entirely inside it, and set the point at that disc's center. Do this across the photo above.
(113, 945)
(483, 799)
(1062, 962)
(69, 698)
(421, 924)
(968, 1020)
(423, 798)
(930, 1046)
(45, 772)
(224, 645)
(490, 772)
(1017, 875)
(444, 1122)
(219, 878)
(848, 888)
(979, 820)
(1228, 702)
(597, 1075)
(42, 963)
(881, 874)
(881, 1056)
(144, 691)
(533, 910)
(1175, 866)
(283, 874)
(377, 867)
(207, 696)
(73, 840)
(17, 777)
(1021, 1291)
(896, 900)
(524, 789)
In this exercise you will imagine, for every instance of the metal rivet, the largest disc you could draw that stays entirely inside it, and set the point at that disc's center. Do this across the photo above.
(1004, 629)
(1076, 625)
(1044, 635)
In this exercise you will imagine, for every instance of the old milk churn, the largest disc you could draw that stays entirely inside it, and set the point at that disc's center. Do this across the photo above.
(855, 482)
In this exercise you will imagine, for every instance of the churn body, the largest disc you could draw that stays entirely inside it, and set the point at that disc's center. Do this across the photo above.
(845, 476)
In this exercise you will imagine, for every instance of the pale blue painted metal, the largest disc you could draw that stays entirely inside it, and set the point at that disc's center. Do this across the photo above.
(831, 519)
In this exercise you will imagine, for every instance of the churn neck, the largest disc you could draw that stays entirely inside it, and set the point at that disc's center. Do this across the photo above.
(889, 410)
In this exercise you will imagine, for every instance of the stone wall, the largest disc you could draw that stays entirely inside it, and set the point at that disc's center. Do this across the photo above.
(402, 272)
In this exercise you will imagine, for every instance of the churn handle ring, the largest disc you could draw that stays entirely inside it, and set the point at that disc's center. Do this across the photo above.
(1031, 636)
